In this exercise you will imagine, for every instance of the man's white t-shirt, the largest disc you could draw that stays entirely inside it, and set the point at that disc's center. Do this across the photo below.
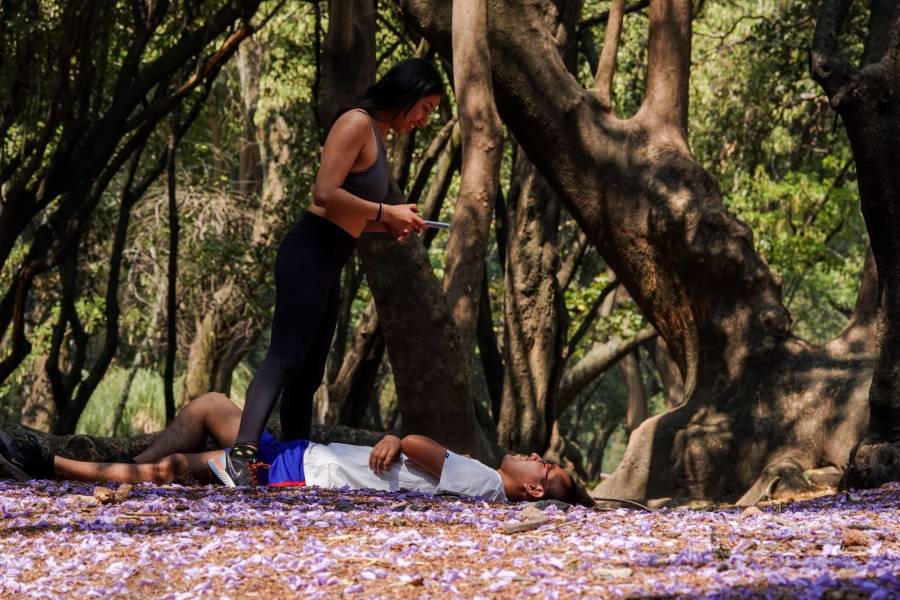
(345, 465)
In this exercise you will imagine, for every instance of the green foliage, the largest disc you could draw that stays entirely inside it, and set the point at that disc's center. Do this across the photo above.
(144, 410)
(812, 234)
(762, 126)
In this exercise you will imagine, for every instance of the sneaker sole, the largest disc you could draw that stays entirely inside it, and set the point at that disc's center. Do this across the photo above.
(11, 471)
(220, 473)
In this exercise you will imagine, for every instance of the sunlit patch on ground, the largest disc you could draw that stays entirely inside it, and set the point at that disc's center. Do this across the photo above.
(188, 542)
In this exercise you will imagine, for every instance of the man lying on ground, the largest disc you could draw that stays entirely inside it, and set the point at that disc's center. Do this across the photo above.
(414, 463)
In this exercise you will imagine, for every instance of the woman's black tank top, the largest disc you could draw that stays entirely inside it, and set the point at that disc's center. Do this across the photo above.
(372, 183)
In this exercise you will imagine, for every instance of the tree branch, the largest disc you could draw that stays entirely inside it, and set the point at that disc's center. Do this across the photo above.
(828, 66)
(590, 317)
(604, 16)
(606, 67)
(577, 249)
(600, 358)
(669, 63)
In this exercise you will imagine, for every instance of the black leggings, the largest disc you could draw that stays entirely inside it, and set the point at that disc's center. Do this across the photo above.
(307, 297)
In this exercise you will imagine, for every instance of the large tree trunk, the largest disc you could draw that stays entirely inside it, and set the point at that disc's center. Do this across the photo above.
(868, 101)
(657, 219)
(535, 330)
(420, 333)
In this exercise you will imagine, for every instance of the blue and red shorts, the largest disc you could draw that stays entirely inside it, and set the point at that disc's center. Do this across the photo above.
(285, 461)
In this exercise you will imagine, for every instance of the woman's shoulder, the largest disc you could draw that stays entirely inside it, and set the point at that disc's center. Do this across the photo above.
(353, 120)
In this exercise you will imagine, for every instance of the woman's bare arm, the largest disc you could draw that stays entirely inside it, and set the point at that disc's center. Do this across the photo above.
(345, 141)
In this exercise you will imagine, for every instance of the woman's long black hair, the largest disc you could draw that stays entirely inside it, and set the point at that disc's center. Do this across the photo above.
(402, 86)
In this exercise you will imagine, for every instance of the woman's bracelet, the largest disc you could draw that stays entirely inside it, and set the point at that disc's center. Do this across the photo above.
(380, 211)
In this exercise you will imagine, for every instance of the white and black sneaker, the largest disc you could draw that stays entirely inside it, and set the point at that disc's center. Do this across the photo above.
(233, 471)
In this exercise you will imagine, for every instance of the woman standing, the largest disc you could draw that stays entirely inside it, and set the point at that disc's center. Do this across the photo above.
(348, 196)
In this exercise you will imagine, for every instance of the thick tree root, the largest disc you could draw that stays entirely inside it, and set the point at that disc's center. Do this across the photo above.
(105, 449)
(784, 476)
(873, 462)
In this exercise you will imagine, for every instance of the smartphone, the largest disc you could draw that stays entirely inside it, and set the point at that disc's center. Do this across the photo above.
(438, 224)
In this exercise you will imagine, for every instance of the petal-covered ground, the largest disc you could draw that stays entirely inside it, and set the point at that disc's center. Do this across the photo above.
(190, 542)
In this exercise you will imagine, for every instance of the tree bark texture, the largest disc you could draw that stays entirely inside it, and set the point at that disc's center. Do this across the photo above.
(636, 412)
(534, 316)
(481, 154)
(868, 101)
(348, 57)
(754, 393)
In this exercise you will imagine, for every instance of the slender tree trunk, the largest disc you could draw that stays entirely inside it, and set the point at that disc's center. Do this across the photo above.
(172, 283)
(637, 395)
(136, 363)
(488, 350)
(39, 411)
(250, 59)
(669, 375)
(481, 154)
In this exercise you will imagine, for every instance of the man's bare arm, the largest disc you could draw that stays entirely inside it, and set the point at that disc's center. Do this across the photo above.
(425, 452)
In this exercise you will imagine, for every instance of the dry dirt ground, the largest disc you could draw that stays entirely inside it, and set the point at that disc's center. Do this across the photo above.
(62, 539)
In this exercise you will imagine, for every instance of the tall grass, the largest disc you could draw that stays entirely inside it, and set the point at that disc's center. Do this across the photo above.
(144, 410)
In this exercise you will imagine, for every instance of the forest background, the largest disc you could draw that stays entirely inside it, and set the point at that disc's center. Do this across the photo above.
(166, 291)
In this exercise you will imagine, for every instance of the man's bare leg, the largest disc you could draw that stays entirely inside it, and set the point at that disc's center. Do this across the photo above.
(211, 414)
(164, 470)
